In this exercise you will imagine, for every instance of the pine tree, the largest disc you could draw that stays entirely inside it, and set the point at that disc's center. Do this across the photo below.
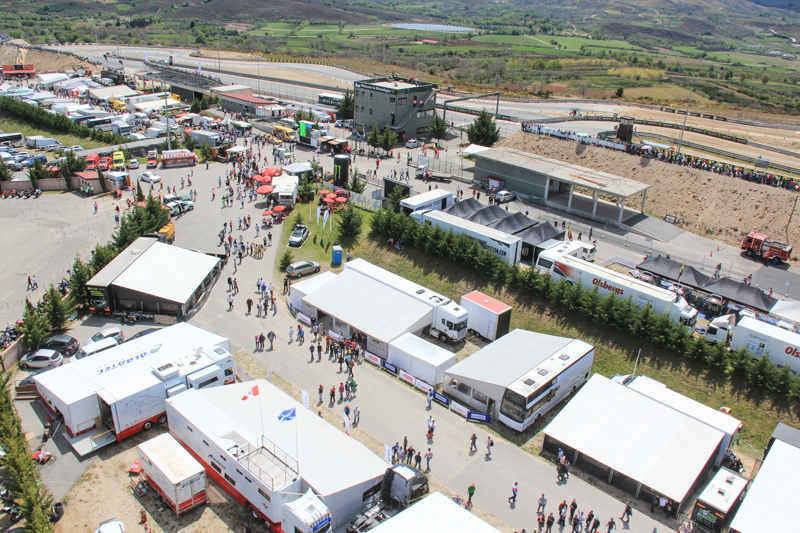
(57, 309)
(741, 363)
(438, 127)
(102, 179)
(388, 139)
(79, 277)
(286, 259)
(397, 196)
(5, 173)
(34, 328)
(348, 106)
(101, 256)
(717, 358)
(350, 221)
(483, 130)
(374, 139)
(783, 380)
(38, 172)
(763, 372)
(139, 193)
(355, 184)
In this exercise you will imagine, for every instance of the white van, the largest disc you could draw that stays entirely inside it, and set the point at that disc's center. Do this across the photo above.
(96, 347)
(289, 123)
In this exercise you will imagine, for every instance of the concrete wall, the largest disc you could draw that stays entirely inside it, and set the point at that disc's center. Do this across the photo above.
(517, 179)
(12, 354)
(54, 184)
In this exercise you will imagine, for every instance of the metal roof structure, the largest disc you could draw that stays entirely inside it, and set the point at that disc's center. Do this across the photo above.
(637, 437)
(368, 305)
(119, 264)
(107, 92)
(171, 458)
(579, 176)
(435, 513)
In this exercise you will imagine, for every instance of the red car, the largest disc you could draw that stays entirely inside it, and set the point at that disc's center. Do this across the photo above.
(92, 160)
(104, 164)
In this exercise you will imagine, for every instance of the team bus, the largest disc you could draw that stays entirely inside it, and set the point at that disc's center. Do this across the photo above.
(533, 394)
(330, 99)
(99, 123)
(12, 139)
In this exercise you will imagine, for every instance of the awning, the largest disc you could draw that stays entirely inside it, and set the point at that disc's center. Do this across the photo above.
(488, 215)
(669, 269)
(514, 224)
(464, 208)
(475, 149)
(740, 293)
(539, 233)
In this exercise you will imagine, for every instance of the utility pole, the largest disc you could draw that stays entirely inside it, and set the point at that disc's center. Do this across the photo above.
(116, 34)
(686, 116)
(218, 68)
(790, 218)
(166, 116)
(384, 60)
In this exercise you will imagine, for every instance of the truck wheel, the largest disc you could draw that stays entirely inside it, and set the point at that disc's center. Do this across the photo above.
(147, 426)
(161, 419)
(749, 252)
(443, 338)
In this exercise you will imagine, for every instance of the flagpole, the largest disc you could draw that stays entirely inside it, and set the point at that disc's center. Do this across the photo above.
(261, 414)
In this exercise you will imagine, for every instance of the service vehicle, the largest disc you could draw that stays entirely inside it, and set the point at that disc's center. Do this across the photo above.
(437, 199)
(104, 163)
(150, 177)
(758, 337)
(586, 251)
(448, 320)
(152, 159)
(577, 271)
(758, 244)
(488, 318)
(133, 163)
(283, 133)
(118, 161)
(119, 392)
(402, 486)
(92, 160)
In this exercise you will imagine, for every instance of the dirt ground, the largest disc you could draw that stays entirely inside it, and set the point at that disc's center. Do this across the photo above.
(44, 61)
(708, 204)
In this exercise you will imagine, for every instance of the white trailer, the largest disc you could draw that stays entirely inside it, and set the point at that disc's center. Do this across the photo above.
(448, 320)
(576, 271)
(31, 140)
(488, 317)
(286, 186)
(173, 473)
(586, 251)
(506, 247)
(760, 338)
(211, 139)
(437, 199)
(121, 391)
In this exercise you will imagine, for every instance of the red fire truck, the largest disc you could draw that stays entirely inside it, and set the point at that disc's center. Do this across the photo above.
(757, 244)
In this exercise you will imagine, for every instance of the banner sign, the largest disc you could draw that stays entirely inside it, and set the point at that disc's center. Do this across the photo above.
(374, 359)
(304, 319)
(442, 399)
(405, 376)
(423, 386)
(390, 367)
(475, 416)
(335, 336)
(458, 408)
(304, 395)
(387, 453)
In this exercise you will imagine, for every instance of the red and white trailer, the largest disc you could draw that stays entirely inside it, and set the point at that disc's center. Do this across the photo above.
(173, 473)
(489, 318)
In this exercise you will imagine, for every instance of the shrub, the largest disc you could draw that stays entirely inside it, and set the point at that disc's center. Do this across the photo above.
(287, 258)
(350, 221)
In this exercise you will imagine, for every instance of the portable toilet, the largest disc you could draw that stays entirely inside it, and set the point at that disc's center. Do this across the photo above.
(337, 255)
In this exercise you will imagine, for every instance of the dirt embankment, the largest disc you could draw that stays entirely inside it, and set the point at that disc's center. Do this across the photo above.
(43, 61)
(708, 204)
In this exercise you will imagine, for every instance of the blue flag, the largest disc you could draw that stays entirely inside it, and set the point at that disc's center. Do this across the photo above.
(287, 415)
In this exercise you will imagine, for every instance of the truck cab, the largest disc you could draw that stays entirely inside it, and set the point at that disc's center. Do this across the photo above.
(449, 323)
(720, 329)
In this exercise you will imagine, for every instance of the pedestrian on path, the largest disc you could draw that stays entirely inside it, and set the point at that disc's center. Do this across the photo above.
(95, 208)
(311, 349)
(428, 457)
(321, 390)
(550, 520)
(572, 507)
(489, 444)
(471, 492)
(291, 334)
(357, 417)
(473, 443)
(418, 461)
(230, 302)
(610, 525)
(514, 489)
(333, 394)
(430, 398)
(271, 337)
(542, 503)
(595, 525)
(626, 515)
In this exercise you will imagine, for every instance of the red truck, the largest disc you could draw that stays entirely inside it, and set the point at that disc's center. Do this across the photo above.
(757, 244)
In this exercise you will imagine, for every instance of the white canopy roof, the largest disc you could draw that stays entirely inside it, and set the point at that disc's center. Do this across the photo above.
(368, 305)
(769, 504)
(636, 436)
(785, 310)
(167, 272)
(475, 149)
(422, 349)
(309, 439)
(436, 513)
(104, 93)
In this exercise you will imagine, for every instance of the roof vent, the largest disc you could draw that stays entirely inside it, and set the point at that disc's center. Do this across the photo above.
(563, 357)
(529, 382)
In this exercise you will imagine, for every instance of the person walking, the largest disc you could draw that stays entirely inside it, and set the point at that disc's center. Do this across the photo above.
(418, 460)
(271, 337)
(595, 525)
(321, 390)
(473, 443)
(311, 349)
(610, 525)
(471, 493)
(291, 334)
(428, 457)
(626, 515)
(249, 305)
(489, 444)
(550, 520)
(514, 490)
(357, 417)
(333, 394)
(572, 507)
(542, 504)
(230, 302)
(430, 398)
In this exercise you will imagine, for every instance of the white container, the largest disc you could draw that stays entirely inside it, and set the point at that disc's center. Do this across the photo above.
(172, 472)
(488, 317)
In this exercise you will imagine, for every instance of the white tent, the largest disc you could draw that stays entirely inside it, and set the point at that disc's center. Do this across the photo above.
(301, 289)
(420, 358)
(473, 149)
(50, 79)
(437, 513)
(788, 311)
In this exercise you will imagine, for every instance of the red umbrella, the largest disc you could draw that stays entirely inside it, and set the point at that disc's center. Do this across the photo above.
(341, 199)
(324, 191)
(266, 213)
(263, 179)
(265, 189)
(328, 200)
(341, 191)
(272, 171)
(279, 208)
(330, 195)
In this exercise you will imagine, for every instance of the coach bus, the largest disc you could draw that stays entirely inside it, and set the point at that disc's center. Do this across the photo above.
(99, 123)
(334, 100)
(12, 139)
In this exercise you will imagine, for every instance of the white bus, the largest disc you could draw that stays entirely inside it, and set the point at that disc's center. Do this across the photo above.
(330, 99)
(532, 395)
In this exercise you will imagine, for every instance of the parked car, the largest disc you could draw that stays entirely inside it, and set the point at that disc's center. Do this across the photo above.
(29, 162)
(150, 177)
(505, 196)
(74, 148)
(111, 526)
(21, 156)
(299, 235)
(41, 358)
(55, 147)
(104, 163)
(413, 143)
(112, 332)
(133, 163)
(179, 207)
(300, 268)
(142, 333)
(63, 344)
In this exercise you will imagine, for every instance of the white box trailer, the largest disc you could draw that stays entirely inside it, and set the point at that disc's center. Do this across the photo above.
(506, 247)
(420, 358)
(577, 271)
(30, 141)
(286, 187)
(211, 139)
(173, 473)
(760, 338)
(437, 199)
(586, 251)
(488, 317)
(121, 391)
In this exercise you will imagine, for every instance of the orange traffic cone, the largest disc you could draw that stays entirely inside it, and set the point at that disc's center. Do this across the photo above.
(144, 517)
(710, 254)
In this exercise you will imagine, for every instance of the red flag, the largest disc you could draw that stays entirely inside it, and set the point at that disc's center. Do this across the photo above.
(251, 392)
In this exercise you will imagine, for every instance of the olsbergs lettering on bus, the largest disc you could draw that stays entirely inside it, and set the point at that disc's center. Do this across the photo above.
(603, 284)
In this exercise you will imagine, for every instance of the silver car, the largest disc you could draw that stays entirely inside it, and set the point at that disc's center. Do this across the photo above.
(148, 176)
(504, 196)
(299, 268)
(40, 359)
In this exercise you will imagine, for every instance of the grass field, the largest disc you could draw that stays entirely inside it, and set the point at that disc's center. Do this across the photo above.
(12, 125)
(614, 353)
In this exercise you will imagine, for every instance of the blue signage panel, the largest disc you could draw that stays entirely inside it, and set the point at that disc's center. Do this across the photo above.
(390, 367)
(476, 416)
(444, 400)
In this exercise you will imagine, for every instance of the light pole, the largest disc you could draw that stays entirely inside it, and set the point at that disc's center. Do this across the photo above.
(686, 116)
(218, 67)
(166, 116)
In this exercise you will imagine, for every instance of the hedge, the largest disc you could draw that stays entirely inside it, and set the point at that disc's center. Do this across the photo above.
(611, 311)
